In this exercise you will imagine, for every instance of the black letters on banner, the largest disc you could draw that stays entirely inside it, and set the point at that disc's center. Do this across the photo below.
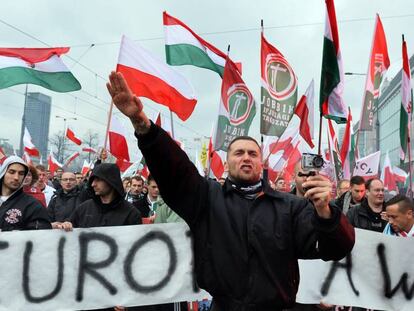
(196, 289)
(149, 237)
(26, 273)
(334, 267)
(388, 292)
(86, 266)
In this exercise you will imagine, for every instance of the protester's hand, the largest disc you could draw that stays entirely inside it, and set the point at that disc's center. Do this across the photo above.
(324, 306)
(67, 226)
(119, 308)
(56, 225)
(319, 192)
(129, 104)
(384, 216)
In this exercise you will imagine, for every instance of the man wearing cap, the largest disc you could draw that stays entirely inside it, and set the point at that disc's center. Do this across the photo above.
(18, 210)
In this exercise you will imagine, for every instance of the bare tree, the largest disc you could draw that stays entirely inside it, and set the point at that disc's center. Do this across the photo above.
(58, 142)
(91, 140)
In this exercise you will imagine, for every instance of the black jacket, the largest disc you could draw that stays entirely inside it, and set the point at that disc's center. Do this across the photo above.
(245, 251)
(364, 218)
(93, 213)
(143, 206)
(63, 204)
(23, 212)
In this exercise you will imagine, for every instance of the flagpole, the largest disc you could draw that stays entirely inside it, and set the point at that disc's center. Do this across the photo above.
(23, 122)
(108, 124)
(172, 124)
(320, 134)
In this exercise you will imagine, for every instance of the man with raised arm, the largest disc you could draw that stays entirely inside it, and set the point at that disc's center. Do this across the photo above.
(247, 237)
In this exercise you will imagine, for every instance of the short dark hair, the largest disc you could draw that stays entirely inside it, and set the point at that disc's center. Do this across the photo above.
(404, 203)
(244, 138)
(41, 168)
(356, 180)
(137, 178)
(369, 182)
(150, 178)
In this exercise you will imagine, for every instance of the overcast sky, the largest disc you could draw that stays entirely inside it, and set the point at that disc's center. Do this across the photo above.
(294, 27)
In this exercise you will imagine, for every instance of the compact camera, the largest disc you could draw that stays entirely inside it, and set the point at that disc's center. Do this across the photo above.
(312, 162)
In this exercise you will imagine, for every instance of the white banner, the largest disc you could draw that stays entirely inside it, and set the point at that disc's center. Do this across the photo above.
(378, 274)
(99, 267)
(151, 264)
(368, 166)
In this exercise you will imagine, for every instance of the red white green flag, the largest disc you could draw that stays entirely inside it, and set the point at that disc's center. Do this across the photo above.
(184, 47)
(348, 147)
(237, 108)
(335, 157)
(406, 103)
(40, 66)
(279, 91)
(378, 65)
(332, 105)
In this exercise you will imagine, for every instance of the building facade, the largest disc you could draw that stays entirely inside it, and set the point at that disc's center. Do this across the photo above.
(37, 119)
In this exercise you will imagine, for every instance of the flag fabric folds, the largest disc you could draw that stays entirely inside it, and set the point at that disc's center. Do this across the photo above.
(332, 105)
(348, 147)
(152, 78)
(118, 145)
(278, 91)
(40, 66)
(367, 167)
(29, 147)
(305, 111)
(406, 103)
(53, 163)
(378, 65)
(237, 108)
(71, 136)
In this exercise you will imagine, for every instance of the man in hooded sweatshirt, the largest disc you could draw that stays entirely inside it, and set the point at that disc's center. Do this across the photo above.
(107, 206)
(18, 210)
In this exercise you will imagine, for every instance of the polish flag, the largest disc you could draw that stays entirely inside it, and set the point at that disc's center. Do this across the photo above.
(86, 167)
(123, 164)
(387, 175)
(117, 140)
(89, 149)
(154, 79)
(71, 135)
(72, 157)
(53, 163)
(29, 147)
(399, 174)
(305, 111)
(26, 158)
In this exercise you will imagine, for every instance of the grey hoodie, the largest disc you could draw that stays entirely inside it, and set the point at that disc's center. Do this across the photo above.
(21, 211)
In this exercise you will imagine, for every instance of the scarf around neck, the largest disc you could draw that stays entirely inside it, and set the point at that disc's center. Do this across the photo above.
(247, 190)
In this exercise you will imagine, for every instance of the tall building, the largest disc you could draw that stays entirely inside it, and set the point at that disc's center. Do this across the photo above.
(36, 119)
(389, 123)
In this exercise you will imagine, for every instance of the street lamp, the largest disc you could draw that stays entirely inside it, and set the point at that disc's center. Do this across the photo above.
(64, 133)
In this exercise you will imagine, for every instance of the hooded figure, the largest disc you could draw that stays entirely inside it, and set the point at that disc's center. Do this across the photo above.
(19, 211)
(107, 206)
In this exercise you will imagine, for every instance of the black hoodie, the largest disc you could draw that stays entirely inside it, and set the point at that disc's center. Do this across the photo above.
(94, 213)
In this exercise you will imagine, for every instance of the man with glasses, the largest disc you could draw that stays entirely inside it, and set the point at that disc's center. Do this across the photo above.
(64, 201)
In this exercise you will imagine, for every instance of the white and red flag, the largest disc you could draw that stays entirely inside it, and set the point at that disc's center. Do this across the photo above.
(377, 68)
(154, 79)
(72, 136)
(118, 145)
(86, 167)
(72, 157)
(305, 111)
(367, 167)
(2, 156)
(213, 157)
(123, 164)
(387, 175)
(335, 156)
(29, 147)
(347, 148)
(399, 174)
(89, 149)
(53, 163)
(26, 158)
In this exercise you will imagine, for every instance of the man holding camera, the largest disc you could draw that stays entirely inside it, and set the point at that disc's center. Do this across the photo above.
(247, 237)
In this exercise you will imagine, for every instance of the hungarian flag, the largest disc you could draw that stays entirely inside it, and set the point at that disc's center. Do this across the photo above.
(29, 147)
(72, 157)
(378, 65)
(367, 167)
(71, 136)
(237, 108)
(387, 175)
(305, 111)
(332, 105)
(118, 145)
(53, 163)
(152, 78)
(89, 149)
(278, 91)
(347, 148)
(2, 156)
(40, 66)
(399, 174)
(335, 155)
(406, 103)
(184, 47)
